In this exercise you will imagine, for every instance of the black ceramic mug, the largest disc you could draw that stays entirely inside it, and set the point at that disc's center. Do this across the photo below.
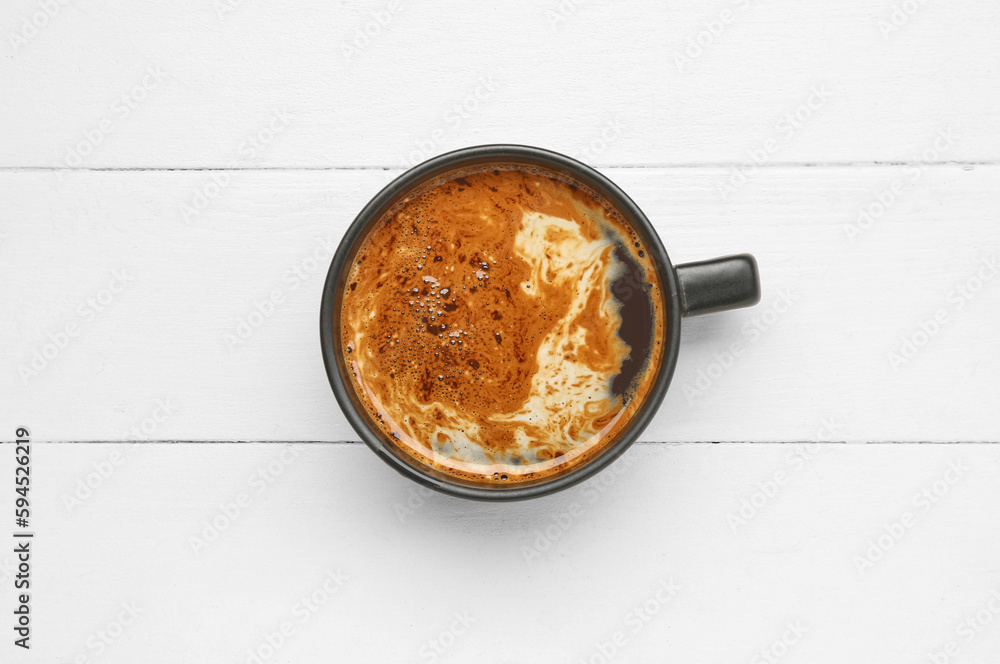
(690, 289)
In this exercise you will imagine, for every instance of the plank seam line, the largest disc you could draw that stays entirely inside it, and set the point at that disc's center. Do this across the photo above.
(685, 165)
(643, 442)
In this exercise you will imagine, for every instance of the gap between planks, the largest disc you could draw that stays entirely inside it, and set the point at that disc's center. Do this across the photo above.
(687, 165)
(642, 442)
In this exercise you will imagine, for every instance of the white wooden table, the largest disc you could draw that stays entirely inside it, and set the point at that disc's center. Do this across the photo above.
(175, 176)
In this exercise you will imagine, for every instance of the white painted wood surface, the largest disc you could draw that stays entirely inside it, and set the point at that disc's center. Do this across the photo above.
(835, 306)
(560, 72)
(247, 141)
(532, 596)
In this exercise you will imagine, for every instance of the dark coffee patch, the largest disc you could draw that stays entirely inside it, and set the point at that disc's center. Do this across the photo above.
(633, 292)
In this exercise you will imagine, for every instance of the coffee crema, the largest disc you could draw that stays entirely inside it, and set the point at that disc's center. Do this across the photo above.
(502, 324)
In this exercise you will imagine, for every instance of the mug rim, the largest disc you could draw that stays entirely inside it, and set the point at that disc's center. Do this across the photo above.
(390, 194)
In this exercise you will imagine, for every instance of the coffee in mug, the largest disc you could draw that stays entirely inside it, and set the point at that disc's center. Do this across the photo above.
(502, 323)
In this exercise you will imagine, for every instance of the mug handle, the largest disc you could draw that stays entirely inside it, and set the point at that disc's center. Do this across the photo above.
(718, 284)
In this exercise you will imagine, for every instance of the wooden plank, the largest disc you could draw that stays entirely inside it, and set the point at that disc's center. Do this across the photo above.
(196, 85)
(840, 297)
(548, 580)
